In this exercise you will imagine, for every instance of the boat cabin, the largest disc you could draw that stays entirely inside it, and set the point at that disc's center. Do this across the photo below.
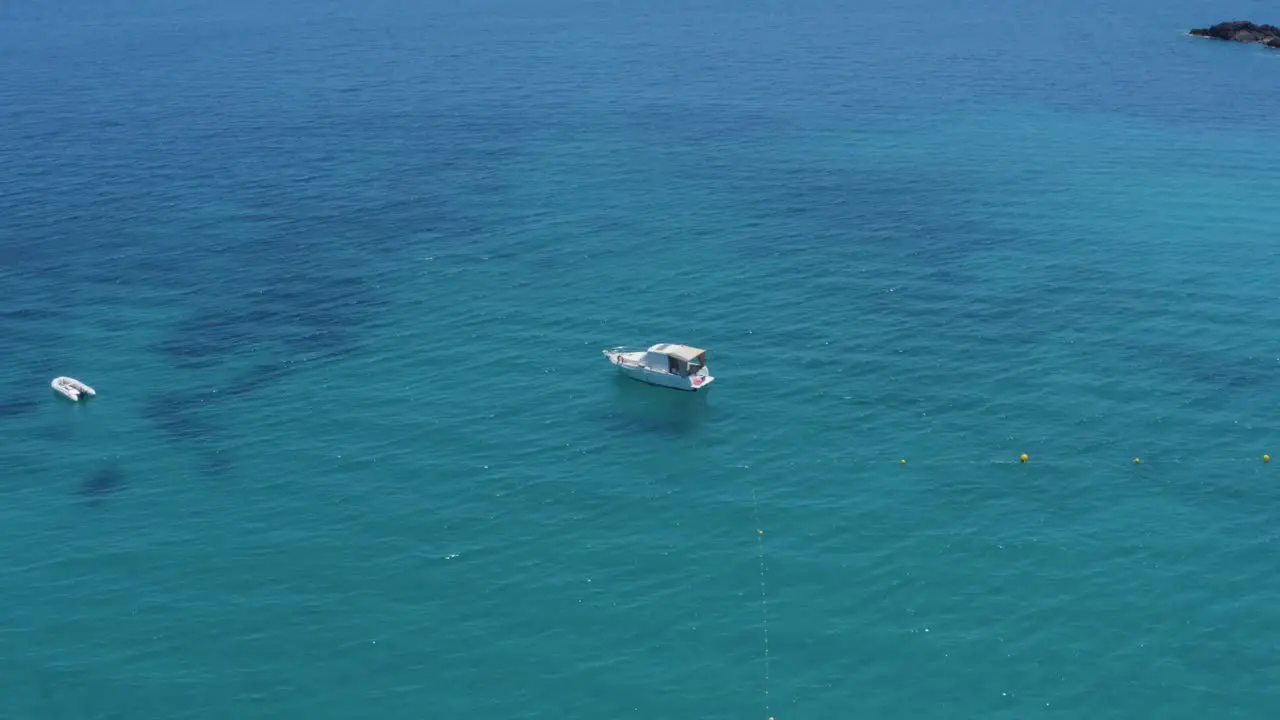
(676, 359)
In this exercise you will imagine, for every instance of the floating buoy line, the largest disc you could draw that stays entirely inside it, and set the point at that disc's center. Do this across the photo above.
(1057, 461)
(764, 601)
(1020, 459)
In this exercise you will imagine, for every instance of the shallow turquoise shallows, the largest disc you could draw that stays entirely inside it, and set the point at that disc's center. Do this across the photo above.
(341, 273)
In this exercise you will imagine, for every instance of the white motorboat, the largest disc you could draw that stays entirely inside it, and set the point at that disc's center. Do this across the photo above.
(674, 366)
(71, 388)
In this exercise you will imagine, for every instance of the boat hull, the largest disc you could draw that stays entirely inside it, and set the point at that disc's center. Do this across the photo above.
(630, 367)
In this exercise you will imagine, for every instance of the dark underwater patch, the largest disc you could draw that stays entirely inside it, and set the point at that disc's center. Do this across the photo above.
(178, 415)
(208, 337)
(215, 464)
(256, 378)
(295, 321)
(101, 484)
(285, 269)
(1227, 373)
(18, 407)
(291, 306)
(32, 314)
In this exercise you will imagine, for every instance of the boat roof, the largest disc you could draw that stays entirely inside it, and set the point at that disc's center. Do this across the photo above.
(679, 352)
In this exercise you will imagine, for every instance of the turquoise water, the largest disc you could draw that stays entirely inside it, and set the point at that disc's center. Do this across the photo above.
(341, 274)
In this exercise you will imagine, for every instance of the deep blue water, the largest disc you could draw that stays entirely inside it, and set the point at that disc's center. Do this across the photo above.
(341, 273)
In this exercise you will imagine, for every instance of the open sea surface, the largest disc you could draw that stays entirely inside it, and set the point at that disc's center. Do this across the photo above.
(341, 273)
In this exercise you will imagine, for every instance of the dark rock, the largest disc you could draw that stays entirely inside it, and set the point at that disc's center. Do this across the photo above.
(1242, 31)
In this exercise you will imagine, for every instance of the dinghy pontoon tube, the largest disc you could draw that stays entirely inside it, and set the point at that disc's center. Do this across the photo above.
(71, 388)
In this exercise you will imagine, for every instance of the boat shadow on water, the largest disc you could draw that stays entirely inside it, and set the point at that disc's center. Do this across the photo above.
(635, 406)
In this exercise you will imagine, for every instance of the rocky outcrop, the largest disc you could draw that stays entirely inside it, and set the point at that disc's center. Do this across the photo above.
(1242, 31)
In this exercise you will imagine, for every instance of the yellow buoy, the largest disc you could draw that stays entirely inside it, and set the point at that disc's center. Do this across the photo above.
(1137, 461)
(1023, 457)
(904, 461)
(1266, 458)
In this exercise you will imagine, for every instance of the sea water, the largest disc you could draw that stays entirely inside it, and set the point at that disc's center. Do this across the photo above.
(341, 274)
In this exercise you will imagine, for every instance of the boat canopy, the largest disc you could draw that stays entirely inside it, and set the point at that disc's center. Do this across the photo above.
(683, 353)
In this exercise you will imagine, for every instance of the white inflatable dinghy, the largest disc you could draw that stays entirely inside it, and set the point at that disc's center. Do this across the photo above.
(71, 388)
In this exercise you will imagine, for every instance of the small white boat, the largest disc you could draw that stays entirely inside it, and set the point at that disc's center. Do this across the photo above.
(71, 388)
(675, 366)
